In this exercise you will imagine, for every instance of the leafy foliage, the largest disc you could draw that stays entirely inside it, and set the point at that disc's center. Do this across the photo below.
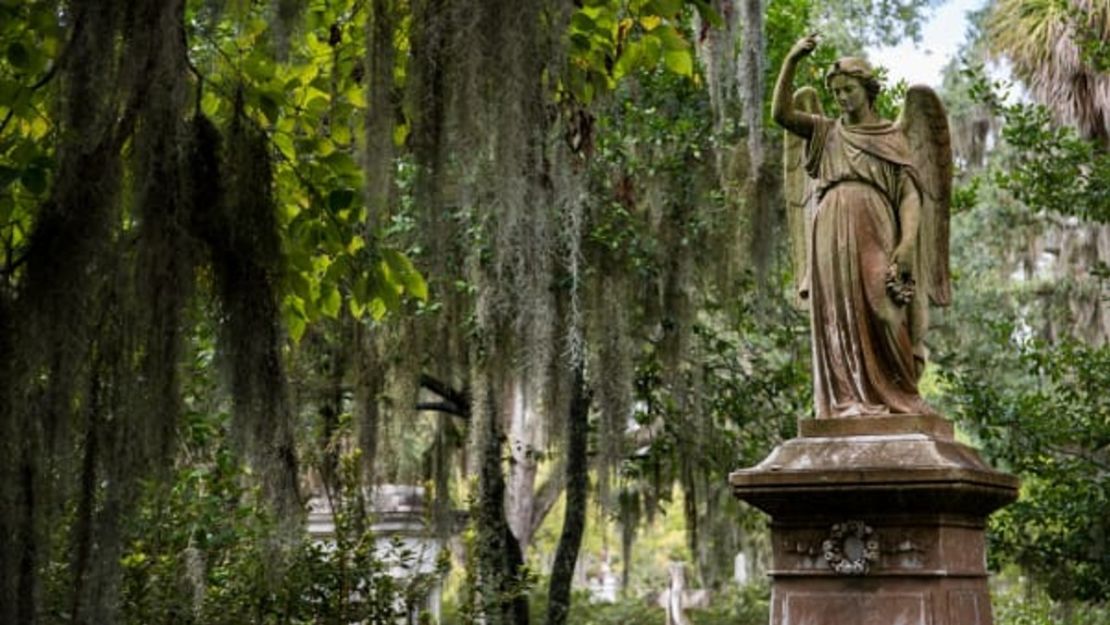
(1051, 425)
(203, 551)
(1049, 167)
(1028, 392)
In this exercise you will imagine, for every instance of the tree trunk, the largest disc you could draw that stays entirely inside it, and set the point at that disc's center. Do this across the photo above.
(574, 520)
(524, 443)
(499, 557)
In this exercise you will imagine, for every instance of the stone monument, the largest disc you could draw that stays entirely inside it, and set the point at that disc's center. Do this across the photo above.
(877, 512)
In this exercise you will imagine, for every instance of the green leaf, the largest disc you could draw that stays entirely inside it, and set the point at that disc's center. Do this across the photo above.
(296, 326)
(671, 38)
(284, 142)
(666, 8)
(34, 180)
(652, 48)
(582, 22)
(269, 107)
(8, 175)
(629, 60)
(386, 288)
(680, 62)
(300, 285)
(9, 89)
(294, 315)
(406, 273)
(378, 309)
(330, 302)
(340, 199)
(357, 309)
(18, 55)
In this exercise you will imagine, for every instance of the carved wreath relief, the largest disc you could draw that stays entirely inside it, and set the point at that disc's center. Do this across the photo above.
(851, 548)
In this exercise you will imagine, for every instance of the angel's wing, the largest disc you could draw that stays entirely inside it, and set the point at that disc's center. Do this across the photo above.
(925, 125)
(801, 196)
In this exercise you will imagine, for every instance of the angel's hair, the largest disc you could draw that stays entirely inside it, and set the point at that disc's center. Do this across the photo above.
(855, 67)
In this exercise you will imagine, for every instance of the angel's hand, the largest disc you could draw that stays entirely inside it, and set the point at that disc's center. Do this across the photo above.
(902, 261)
(804, 47)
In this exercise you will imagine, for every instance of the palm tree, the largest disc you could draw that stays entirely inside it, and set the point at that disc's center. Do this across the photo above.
(1044, 39)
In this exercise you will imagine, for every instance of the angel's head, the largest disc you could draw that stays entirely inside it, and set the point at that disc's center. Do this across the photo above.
(852, 81)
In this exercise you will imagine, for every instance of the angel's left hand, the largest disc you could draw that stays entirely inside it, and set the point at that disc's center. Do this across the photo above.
(902, 259)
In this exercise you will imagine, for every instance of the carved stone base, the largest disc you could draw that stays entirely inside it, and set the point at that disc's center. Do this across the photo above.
(881, 528)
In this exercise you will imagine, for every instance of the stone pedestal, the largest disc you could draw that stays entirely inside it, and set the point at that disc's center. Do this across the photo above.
(877, 521)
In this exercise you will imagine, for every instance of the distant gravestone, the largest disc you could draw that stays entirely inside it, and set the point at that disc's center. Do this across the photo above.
(741, 571)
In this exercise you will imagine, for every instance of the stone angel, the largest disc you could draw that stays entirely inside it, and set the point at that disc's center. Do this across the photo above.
(868, 203)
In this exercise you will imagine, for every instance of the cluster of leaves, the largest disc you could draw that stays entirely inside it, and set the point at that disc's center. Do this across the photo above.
(1047, 166)
(1033, 400)
(747, 605)
(31, 38)
(585, 612)
(205, 551)
(1016, 602)
(612, 39)
(1050, 424)
(311, 100)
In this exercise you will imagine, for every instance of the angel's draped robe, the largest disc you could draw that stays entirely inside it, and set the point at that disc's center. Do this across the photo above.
(867, 350)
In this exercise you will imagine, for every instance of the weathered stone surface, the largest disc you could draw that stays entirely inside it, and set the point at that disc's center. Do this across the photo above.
(933, 425)
(902, 484)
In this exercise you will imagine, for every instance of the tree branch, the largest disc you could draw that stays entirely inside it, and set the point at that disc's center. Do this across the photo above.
(546, 496)
(447, 407)
(460, 399)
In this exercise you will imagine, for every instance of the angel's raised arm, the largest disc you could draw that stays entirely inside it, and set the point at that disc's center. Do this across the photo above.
(782, 109)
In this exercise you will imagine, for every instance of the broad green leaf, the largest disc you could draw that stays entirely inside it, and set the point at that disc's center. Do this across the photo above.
(18, 55)
(666, 8)
(652, 49)
(284, 142)
(400, 134)
(671, 38)
(34, 180)
(330, 302)
(629, 60)
(378, 309)
(387, 287)
(318, 105)
(269, 107)
(296, 326)
(300, 285)
(680, 62)
(8, 91)
(406, 273)
(293, 313)
(357, 309)
(339, 199)
(582, 23)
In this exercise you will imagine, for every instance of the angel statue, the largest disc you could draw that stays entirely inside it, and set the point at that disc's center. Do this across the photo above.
(868, 204)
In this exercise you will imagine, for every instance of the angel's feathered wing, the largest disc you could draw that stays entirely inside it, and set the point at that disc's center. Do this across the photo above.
(925, 125)
(801, 196)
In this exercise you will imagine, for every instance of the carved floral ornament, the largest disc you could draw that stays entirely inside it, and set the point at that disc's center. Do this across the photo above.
(851, 548)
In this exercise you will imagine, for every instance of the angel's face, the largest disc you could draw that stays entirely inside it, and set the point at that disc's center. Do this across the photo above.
(850, 95)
